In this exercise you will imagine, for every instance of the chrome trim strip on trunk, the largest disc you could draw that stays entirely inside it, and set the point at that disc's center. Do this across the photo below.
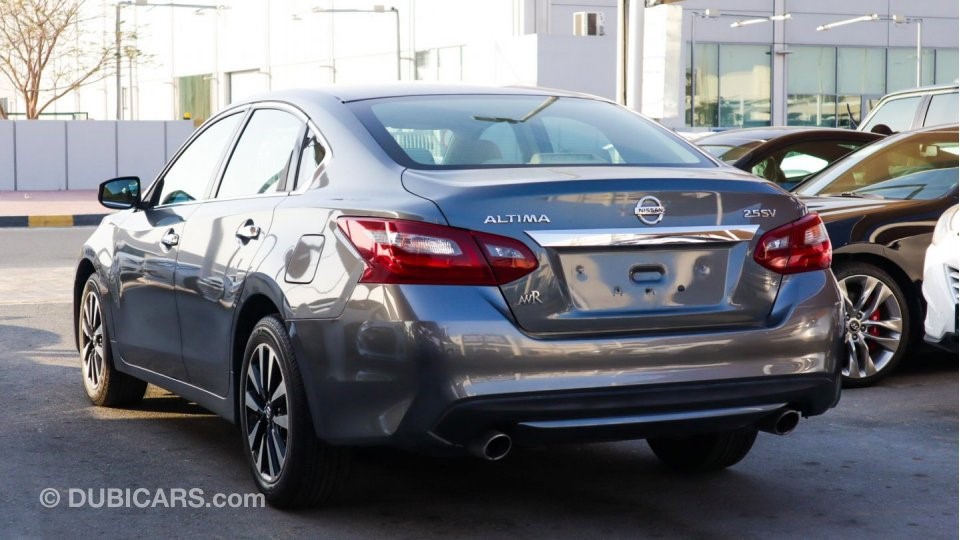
(644, 237)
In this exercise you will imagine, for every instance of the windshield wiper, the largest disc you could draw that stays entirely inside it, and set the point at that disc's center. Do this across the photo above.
(856, 195)
(539, 108)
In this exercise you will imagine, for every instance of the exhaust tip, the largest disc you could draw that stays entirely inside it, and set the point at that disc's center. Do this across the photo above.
(491, 446)
(781, 423)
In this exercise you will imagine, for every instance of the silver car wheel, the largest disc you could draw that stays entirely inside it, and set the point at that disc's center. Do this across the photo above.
(91, 342)
(874, 325)
(266, 407)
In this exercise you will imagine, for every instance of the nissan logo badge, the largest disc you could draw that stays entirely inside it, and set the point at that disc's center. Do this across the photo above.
(649, 210)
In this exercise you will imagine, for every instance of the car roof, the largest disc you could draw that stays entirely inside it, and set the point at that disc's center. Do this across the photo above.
(928, 129)
(347, 92)
(736, 137)
(924, 90)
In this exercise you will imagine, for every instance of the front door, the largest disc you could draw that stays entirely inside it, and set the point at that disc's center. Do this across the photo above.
(147, 245)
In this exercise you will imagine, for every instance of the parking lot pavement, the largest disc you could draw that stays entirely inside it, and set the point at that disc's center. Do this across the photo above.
(28, 286)
(50, 208)
(883, 464)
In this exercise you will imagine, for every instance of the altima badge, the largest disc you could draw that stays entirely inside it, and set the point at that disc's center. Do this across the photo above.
(517, 218)
(649, 210)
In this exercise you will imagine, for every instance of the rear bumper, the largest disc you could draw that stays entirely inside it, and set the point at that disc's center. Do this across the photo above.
(947, 342)
(635, 413)
(940, 269)
(436, 366)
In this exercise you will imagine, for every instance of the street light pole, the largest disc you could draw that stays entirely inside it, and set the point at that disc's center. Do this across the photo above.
(396, 13)
(919, 49)
(118, 37)
(376, 9)
(117, 58)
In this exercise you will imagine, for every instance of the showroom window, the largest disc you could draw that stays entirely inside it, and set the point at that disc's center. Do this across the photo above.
(703, 85)
(860, 74)
(837, 86)
(730, 86)
(902, 69)
(812, 86)
(946, 71)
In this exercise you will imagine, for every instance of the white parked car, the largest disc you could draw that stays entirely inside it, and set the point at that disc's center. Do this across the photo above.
(940, 281)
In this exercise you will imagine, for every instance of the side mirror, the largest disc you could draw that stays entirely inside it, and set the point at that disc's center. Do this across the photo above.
(120, 193)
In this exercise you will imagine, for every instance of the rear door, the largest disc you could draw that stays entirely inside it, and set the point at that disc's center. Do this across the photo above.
(626, 250)
(224, 236)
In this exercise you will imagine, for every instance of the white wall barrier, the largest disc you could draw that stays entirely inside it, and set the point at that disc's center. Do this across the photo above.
(79, 154)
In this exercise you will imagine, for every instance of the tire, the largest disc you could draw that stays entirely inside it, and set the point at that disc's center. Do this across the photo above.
(291, 466)
(104, 385)
(878, 323)
(705, 452)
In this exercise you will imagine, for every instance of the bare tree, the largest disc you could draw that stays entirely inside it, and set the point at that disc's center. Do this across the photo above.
(44, 53)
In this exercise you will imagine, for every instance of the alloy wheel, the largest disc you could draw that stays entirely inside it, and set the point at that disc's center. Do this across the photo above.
(91, 341)
(874, 325)
(266, 408)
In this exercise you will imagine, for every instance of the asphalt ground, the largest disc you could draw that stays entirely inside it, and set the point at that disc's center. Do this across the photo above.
(883, 464)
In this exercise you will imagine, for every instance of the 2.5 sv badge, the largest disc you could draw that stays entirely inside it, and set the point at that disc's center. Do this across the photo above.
(649, 210)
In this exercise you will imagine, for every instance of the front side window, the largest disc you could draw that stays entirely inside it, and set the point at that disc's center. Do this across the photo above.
(260, 162)
(188, 178)
(896, 114)
(471, 131)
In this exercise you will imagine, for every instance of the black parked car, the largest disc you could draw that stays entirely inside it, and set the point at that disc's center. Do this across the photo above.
(785, 155)
(880, 205)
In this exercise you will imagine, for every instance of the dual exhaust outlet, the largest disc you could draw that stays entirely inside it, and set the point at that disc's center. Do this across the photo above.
(781, 422)
(491, 446)
(495, 445)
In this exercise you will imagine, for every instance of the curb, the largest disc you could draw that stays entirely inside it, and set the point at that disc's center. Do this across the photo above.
(79, 220)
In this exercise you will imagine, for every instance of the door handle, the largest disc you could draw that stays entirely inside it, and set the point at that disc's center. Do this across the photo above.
(170, 239)
(248, 231)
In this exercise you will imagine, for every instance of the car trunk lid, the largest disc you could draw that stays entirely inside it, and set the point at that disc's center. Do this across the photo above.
(626, 249)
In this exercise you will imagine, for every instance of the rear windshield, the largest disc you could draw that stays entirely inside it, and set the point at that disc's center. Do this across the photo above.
(728, 153)
(479, 131)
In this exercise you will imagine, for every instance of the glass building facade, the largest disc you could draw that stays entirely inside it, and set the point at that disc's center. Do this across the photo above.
(730, 85)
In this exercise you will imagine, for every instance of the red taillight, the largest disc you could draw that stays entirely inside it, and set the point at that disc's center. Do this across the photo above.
(399, 251)
(800, 246)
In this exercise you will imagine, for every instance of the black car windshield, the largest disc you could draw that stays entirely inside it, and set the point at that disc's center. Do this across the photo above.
(475, 131)
(920, 165)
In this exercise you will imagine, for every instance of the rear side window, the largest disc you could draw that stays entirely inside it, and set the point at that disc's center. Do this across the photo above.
(896, 114)
(260, 162)
(942, 110)
(475, 131)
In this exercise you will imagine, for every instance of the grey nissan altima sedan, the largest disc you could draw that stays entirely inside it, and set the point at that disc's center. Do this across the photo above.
(458, 270)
